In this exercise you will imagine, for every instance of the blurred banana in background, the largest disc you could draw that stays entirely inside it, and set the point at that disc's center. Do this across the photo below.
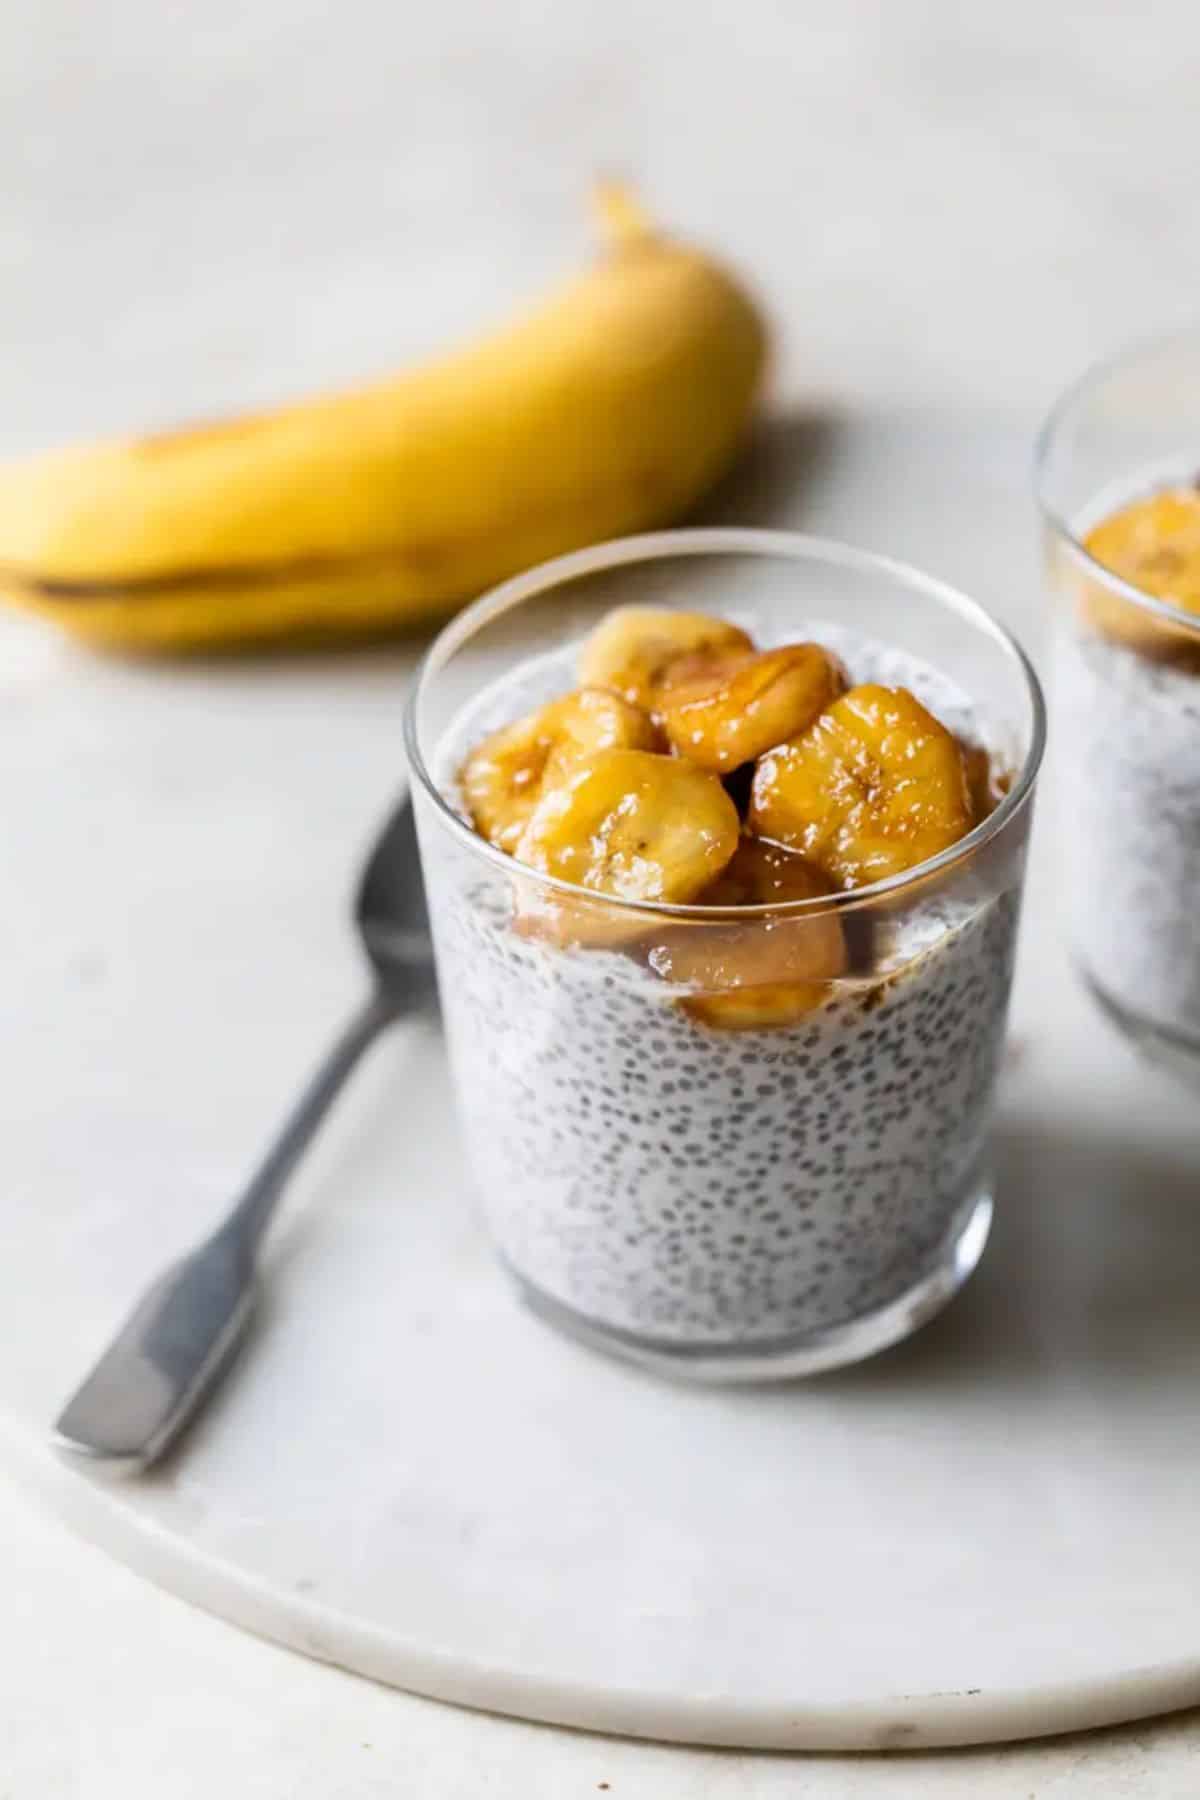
(609, 409)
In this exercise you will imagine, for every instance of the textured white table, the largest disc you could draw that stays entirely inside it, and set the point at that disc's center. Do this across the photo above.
(948, 213)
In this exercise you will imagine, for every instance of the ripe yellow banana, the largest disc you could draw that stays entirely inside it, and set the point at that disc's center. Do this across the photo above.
(610, 409)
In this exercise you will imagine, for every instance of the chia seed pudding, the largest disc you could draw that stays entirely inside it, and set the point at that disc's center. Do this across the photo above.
(1128, 689)
(1135, 865)
(652, 1175)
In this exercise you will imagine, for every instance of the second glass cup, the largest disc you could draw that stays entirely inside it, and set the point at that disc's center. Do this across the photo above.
(729, 1142)
(1117, 475)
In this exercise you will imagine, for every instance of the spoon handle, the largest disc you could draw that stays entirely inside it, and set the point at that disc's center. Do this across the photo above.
(181, 1335)
(250, 1215)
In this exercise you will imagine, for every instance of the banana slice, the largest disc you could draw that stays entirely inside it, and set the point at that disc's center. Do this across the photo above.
(765, 874)
(633, 648)
(506, 775)
(767, 972)
(1154, 544)
(874, 786)
(633, 825)
(769, 1007)
(745, 704)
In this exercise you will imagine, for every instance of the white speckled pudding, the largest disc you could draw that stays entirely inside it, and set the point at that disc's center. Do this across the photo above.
(682, 1188)
(1130, 744)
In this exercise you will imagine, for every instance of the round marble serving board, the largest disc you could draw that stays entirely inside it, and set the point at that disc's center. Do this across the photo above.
(987, 1533)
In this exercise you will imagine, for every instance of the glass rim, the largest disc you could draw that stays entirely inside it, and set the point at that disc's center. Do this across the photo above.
(1128, 352)
(714, 541)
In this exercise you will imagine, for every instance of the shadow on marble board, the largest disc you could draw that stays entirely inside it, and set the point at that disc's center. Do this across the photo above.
(1093, 1263)
(786, 467)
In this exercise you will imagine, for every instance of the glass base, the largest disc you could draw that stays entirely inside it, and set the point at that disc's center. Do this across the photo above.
(1177, 1051)
(806, 1353)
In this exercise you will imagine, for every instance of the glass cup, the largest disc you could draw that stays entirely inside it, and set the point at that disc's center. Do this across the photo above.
(746, 1182)
(1127, 697)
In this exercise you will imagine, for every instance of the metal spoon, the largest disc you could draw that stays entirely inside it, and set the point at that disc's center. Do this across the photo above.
(181, 1336)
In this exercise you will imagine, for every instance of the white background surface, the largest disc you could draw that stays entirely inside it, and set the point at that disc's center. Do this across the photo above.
(949, 210)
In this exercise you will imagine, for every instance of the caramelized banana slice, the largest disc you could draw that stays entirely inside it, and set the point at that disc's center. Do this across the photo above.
(745, 704)
(506, 775)
(766, 1008)
(1154, 544)
(767, 971)
(633, 648)
(873, 787)
(763, 874)
(634, 825)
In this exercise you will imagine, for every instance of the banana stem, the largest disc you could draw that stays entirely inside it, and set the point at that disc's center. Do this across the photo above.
(620, 214)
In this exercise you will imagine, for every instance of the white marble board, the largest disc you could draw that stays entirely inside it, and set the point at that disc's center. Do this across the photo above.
(988, 1533)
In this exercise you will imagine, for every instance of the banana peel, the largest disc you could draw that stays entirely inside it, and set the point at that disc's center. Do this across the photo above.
(608, 409)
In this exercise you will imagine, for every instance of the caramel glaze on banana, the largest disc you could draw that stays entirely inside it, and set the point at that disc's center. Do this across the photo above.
(621, 788)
